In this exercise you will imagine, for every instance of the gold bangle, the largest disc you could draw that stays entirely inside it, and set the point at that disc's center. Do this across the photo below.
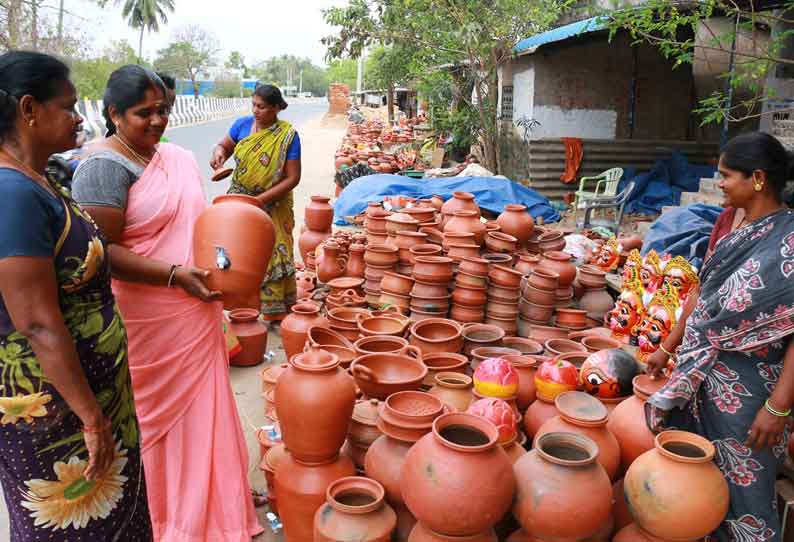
(769, 408)
(663, 349)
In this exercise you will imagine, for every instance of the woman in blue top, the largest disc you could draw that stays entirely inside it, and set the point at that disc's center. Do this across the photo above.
(267, 155)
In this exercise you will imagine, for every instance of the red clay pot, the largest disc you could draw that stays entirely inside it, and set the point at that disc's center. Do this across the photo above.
(560, 263)
(381, 255)
(420, 533)
(459, 201)
(594, 343)
(470, 296)
(571, 318)
(331, 264)
(355, 261)
(597, 302)
(468, 464)
(544, 279)
(527, 263)
(301, 490)
(354, 510)
(558, 468)
(555, 347)
(627, 421)
(620, 510)
(251, 332)
(516, 221)
(268, 466)
(236, 230)
(477, 335)
(481, 353)
(310, 240)
(437, 335)
(525, 346)
(295, 327)
(458, 251)
(583, 414)
(457, 238)
(314, 403)
(380, 375)
(541, 298)
(550, 241)
(690, 500)
(535, 312)
(477, 267)
(433, 269)
(538, 413)
(504, 293)
(319, 214)
(466, 221)
(497, 241)
(507, 323)
(504, 276)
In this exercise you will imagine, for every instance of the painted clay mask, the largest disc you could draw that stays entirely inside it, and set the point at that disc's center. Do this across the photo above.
(657, 323)
(608, 373)
(608, 256)
(631, 269)
(626, 315)
(680, 278)
(651, 272)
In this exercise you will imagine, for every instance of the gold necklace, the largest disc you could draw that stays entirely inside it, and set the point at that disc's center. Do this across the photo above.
(142, 159)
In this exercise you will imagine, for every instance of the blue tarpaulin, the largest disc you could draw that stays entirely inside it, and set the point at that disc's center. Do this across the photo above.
(663, 184)
(684, 231)
(491, 193)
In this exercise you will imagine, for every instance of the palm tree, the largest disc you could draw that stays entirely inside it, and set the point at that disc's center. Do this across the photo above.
(146, 15)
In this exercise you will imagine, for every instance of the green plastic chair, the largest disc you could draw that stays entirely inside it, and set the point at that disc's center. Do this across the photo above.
(606, 186)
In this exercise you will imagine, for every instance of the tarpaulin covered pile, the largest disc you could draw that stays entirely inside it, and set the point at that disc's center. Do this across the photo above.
(663, 184)
(491, 193)
(684, 231)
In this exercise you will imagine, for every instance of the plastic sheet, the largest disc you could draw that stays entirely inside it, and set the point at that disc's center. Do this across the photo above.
(491, 193)
(683, 232)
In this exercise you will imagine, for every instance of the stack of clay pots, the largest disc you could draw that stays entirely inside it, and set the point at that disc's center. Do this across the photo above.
(595, 299)
(571, 319)
(503, 297)
(560, 263)
(378, 258)
(404, 241)
(472, 279)
(396, 290)
(460, 201)
(319, 216)
(375, 223)
(538, 295)
(430, 296)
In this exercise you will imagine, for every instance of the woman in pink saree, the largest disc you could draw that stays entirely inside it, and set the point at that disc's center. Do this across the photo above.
(147, 196)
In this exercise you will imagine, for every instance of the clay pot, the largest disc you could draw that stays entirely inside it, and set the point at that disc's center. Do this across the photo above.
(381, 255)
(345, 355)
(383, 463)
(433, 269)
(301, 490)
(481, 353)
(355, 262)
(690, 500)
(434, 234)
(388, 299)
(516, 221)
(423, 250)
(459, 201)
(457, 238)
(380, 345)
(592, 276)
(320, 336)
(583, 414)
(551, 241)
(571, 318)
(435, 305)
(421, 213)
(251, 332)
(504, 276)
(497, 241)
(296, 325)
(310, 240)
(396, 283)
(594, 343)
(344, 284)
(319, 214)
(467, 463)
(465, 279)
(477, 267)
(508, 324)
(477, 335)
(525, 366)
(375, 238)
(543, 279)
(459, 251)
(401, 222)
(375, 221)
(596, 302)
(544, 333)
(331, 265)
(437, 335)
(620, 509)
(534, 312)
(555, 347)
(454, 389)
(345, 318)
(269, 464)
(363, 425)
(541, 298)
(470, 315)
(381, 325)
(354, 510)
(346, 299)
(538, 413)
(437, 202)
(470, 296)
(496, 258)
(234, 231)
(405, 240)
(559, 466)
(420, 533)
(467, 221)
(380, 375)
(525, 346)
(560, 263)
(270, 376)
(503, 293)
(506, 309)
(527, 263)
(314, 402)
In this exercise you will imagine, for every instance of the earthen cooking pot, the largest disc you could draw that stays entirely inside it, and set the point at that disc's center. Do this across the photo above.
(470, 296)
(380, 375)
(479, 335)
(435, 269)
(551, 241)
(525, 346)
(380, 345)
(505, 276)
(381, 325)
(380, 254)
(458, 238)
(481, 353)
(555, 347)
(318, 336)
(429, 289)
(594, 343)
(543, 279)
(477, 267)
(571, 318)
(437, 335)
(431, 304)
(458, 251)
(544, 333)
(466, 279)
(423, 250)
(461, 313)
(396, 283)
(444, 362)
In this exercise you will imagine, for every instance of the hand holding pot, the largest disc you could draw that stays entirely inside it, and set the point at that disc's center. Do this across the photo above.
(656, 364)
(192, 280)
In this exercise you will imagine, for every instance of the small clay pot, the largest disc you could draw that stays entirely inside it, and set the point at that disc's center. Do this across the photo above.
(396, 283)
(502, 308)
(417, 315)
(571, 318)
(534, 312)
(434, 269)
(543, 279)
(465, 279)
(421, 214)
(401, 222)
(496, 241)
(363, 425)
(443, 362)
(525, 366)
(556, 347)
(516, 221)
(453, 388)
(382, 255)
(577, 359)
(458, 251)
(551, 241)
(593, 276)
(457, 238)
(480, 335)
(509, 324)
(527, 263)
(505, 276)
(560, 263)
(544, 333)
(595, 343)
(477, 267)
(496, 258)
(466, 221)
(423, 250)
(380, 345)
(480, 354)
(354, 504)
(380, 375)
(504, 293)
(437, 335)
(467, 314)
(413, 408)
(540, 297)
(388, 299)
(431, 304)
(429, 289)
(381, 325)
(470, 296)
(523, 345)
(319, 336)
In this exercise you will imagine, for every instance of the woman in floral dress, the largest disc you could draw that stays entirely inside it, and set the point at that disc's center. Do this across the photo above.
(70, 464)
(733, 381)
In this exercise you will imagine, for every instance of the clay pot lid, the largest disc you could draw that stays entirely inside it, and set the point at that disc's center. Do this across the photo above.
(366, 412)
(582, 409)
(345, 283)
(415, 407)
(221, 173)
(644, 386)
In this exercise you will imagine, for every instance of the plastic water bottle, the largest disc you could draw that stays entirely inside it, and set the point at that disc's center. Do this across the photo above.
(272, 433)
(275, 523)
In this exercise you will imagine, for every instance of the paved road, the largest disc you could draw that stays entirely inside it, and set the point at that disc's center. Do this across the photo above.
(201, 138)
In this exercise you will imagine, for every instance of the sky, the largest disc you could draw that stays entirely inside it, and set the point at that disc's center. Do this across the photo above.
(257, 28)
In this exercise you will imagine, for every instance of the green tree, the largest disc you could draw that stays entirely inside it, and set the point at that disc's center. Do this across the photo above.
(673, 28)
(145, 15)
(192, 50)
(291, 70)
(91, 74)
(236, 61)
(342, 70)
(470, 35)
(388, 67)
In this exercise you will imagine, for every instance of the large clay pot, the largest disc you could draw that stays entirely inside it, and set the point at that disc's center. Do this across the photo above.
(552, 502)
(420, 533)
(295, 327)
(467, 464)
(354, 510)
(560, 263)
(620, 509)
(301, 490)
(314, 402)
(454, 389)
(355, 262)
(538, 413)
(689, 499)
(310, 240)
(458, 201)
(627, 421)
(319, 214)
(516, 221)
(269, 465)
(466, 221)
(585, 415)
(251, 332)
(437, 335)
(331, 265)
(233, 239)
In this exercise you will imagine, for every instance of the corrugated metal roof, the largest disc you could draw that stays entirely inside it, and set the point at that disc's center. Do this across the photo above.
(530, 45)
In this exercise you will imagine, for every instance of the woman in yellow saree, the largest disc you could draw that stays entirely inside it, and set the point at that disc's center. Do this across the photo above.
(266, 152)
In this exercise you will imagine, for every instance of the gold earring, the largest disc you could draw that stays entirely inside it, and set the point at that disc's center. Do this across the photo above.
(758, 186)
(32, 123)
